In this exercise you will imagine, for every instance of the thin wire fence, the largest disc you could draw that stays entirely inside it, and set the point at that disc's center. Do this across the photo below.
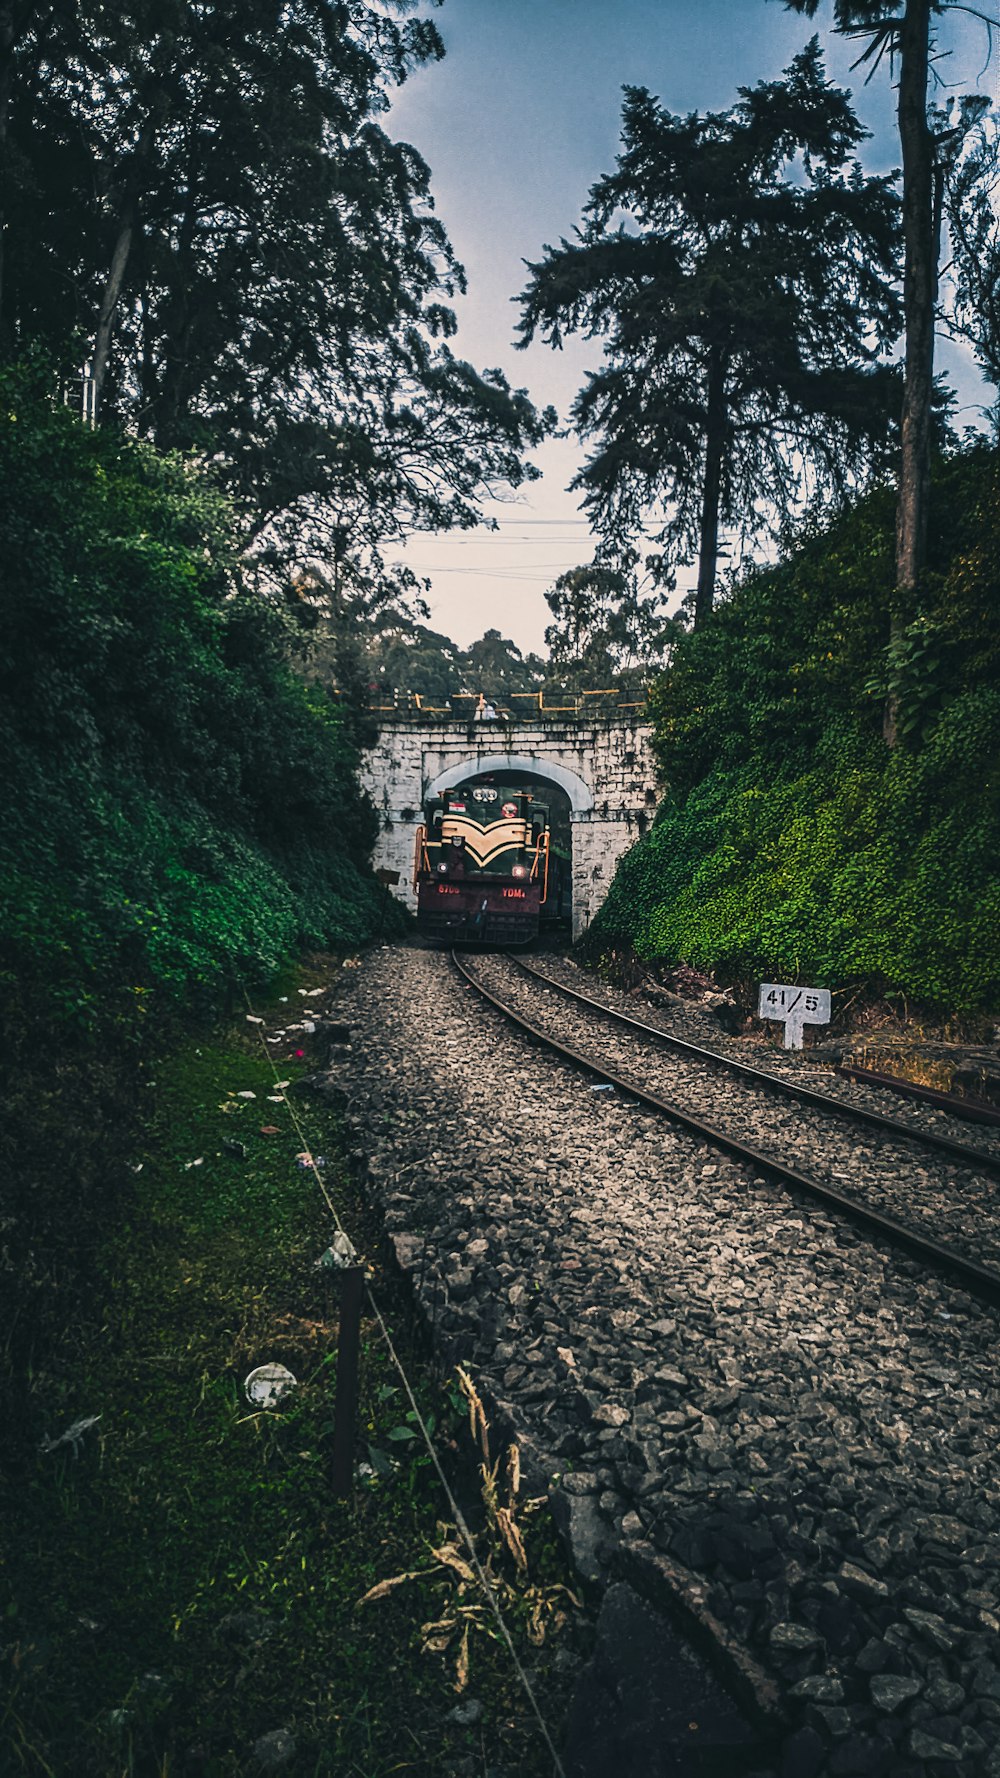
(458, 1517)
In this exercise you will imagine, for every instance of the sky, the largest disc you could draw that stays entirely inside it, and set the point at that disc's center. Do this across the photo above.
(516, 124)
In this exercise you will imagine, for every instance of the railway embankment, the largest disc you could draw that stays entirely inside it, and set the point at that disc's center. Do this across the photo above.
(779, 1427)
(793, 844)
(181, 1589)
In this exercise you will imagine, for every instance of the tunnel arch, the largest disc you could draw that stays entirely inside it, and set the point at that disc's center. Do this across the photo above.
(604, 772)
(581, 798)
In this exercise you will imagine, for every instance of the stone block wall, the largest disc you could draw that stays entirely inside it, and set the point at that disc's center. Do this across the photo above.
(597, 847)
(606, 768)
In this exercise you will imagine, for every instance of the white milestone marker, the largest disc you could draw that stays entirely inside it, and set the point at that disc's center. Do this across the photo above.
(795, 1007)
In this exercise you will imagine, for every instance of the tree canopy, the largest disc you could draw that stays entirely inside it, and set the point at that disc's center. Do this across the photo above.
(203, 199)
(738, 266)
(603, 627)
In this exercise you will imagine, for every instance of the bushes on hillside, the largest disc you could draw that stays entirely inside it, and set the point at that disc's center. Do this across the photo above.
(181, 809)
(791, 842)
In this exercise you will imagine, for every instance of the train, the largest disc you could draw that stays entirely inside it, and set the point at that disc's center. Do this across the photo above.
(485, 868)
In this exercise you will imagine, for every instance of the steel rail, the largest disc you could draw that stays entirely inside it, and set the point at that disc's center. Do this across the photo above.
(981, 1281)
(965, 1152)
(974, 1109)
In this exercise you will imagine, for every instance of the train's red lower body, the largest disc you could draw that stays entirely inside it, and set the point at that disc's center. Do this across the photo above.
(481, 910)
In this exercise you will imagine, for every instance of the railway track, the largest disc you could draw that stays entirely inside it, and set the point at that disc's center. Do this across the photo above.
(922, 1190)
(975, 1110)
(736, 1396)
(969, 1154)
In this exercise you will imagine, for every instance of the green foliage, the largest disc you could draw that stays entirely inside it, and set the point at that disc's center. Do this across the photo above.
(182, 811)
(603, 626)
(791, 843)
(605, 633)
(394, 653)
(970, 154)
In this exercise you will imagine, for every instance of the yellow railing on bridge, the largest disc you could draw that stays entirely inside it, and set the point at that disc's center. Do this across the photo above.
(476, 707)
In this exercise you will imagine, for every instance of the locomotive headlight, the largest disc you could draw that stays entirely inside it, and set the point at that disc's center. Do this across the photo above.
(520, 870)
(442, 870)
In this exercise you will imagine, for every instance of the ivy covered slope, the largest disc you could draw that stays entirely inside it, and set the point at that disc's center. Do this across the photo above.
(181, 811)
(792, 844)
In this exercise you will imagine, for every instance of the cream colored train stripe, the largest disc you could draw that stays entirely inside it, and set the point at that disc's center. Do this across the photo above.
(499, 833)
(455, 824)
(501, 836)
(493, 852)
(484, 858)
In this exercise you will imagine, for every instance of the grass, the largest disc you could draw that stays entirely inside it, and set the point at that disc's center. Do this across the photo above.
(912, 1066)
(180, 1582)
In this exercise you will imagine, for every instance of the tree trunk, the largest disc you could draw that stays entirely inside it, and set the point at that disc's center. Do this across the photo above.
(109, 299)
(179, 328)
(173, 397)
(7, 41)
(147, 371)
(919, 296)
(711, 494)
(14, 22)
(128, 221)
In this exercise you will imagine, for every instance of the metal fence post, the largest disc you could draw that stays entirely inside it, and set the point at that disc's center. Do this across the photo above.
(388, 879)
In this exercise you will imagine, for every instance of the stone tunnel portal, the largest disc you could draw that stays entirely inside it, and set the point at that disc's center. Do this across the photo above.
(604, 772)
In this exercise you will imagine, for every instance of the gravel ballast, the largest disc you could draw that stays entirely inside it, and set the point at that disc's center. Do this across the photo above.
(955, 1202)
(697, 1021)
(789, 1429)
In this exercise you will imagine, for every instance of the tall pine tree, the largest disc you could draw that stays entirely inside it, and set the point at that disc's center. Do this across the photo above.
(738, 266)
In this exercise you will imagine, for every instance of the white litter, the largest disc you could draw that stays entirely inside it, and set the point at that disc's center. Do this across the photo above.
(266, 1385)
(72, 1436)
(340, 1254)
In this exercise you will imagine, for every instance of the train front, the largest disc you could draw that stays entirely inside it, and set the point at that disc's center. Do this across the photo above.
(481, 865)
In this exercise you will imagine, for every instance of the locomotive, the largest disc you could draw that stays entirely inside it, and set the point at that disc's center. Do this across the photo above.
(483, 865)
